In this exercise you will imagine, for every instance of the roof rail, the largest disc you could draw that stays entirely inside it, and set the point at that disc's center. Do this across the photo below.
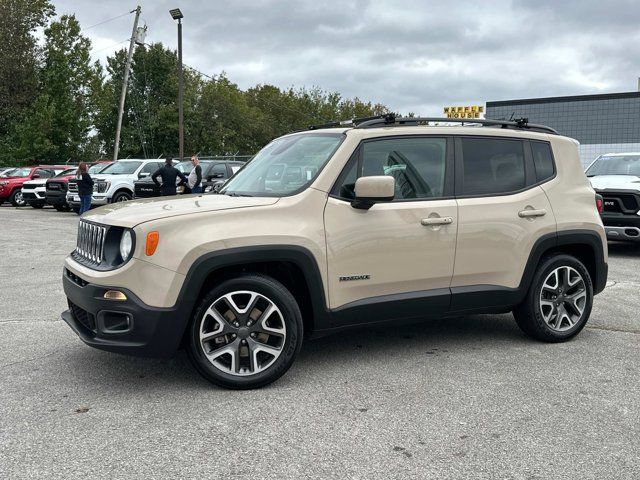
(391, 120)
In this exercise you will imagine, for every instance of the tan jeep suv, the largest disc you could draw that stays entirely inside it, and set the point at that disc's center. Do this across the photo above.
(386, 220)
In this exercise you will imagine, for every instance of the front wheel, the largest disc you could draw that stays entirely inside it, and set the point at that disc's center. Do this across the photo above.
(246, 332)
(559, 300)
(16, 199)
(121, 197)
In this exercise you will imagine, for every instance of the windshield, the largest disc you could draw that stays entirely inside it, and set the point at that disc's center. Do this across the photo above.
(97, 168)
(19, 172)
(615, 165)
(286, 165)
(5, 171)
(121, 168)
(69, 171)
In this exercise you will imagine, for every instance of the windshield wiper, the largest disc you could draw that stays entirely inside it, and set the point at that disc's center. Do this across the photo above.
(235, 194)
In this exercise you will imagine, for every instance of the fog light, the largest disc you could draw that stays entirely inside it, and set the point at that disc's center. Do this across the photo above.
(114, 295)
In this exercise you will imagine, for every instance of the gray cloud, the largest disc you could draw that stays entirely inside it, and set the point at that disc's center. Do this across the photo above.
(411, 55)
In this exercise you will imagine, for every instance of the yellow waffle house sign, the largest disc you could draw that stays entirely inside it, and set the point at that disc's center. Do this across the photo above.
(470, 111)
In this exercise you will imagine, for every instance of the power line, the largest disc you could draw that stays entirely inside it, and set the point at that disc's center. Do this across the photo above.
(107, 20)
(110, 46)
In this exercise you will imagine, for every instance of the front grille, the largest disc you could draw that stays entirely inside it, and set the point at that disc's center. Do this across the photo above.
(73, 186)
(56, 186)
(619, 202)
(84, 318)
(90, 242)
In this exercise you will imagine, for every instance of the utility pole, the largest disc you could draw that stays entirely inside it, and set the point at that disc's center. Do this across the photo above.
(125, 82)
(176, 14)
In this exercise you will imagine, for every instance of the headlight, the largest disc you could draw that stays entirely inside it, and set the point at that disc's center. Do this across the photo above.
(101, 187)
(126, 244)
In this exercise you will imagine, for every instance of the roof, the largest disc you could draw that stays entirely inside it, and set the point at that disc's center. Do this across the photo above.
(571, 98)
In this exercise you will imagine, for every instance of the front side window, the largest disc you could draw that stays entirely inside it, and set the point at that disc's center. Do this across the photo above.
(285, 166)
(121, 168)
(492, 166)
(615, 165)
(417, 165)
(219, 170)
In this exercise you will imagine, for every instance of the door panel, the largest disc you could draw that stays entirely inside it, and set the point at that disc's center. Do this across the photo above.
(400, 246)
(496, 235)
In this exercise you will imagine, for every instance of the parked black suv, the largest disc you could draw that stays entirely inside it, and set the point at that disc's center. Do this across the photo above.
(214, 172)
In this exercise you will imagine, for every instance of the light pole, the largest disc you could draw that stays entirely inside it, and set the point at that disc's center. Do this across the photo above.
(176, 14)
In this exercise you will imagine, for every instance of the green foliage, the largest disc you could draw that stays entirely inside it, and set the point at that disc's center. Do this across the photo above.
(65, 107)
(20, 57)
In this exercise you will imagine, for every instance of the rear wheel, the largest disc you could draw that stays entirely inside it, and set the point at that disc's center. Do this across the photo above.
(246, 332)
(16, 199)
(559, 300)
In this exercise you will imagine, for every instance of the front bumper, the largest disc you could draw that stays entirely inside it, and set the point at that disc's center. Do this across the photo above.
(629, 234)
(100, 199)
(130, 326)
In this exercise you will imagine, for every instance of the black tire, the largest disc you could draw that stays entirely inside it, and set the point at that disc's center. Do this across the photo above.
(121, 197)
(529, 315)
(76, 210)
(16, 199)
(275, 292)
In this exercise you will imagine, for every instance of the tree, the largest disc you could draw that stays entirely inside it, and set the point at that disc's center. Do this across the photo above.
(19, 56)
(57, 125)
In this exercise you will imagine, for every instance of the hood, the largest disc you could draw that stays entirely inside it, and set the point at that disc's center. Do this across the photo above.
(135, 212)
(109, 177)
(615, 182)
(15, 179)
(37, 182)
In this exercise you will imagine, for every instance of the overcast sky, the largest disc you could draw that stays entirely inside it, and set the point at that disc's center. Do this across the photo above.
(410, 55)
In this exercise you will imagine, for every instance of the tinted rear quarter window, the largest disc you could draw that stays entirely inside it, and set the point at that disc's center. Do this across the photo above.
(542, 160)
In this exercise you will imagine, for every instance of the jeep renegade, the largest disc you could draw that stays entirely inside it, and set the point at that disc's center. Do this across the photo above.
(386, 220)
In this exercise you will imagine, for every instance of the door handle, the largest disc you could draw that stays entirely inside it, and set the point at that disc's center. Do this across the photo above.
(532, 213)
(430, 221)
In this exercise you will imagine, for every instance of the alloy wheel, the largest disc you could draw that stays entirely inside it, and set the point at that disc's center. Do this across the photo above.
(242, 333)
(563, 298)
(20, 199)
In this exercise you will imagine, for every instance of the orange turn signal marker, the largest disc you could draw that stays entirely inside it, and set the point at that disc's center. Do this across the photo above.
(152, 243)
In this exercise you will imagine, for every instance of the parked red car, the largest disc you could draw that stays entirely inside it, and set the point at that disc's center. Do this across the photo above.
(11, 184)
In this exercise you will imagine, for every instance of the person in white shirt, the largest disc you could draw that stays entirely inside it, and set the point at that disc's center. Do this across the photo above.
(195, 177)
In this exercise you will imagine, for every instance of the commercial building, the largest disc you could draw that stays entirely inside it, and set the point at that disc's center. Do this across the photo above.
(607, 123)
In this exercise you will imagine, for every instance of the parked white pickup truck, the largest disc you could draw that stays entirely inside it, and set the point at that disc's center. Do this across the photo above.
(115, 182)
(617, 178)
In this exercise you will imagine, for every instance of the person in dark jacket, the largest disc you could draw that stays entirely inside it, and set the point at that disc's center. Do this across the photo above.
(195, 177)
(168, 173)
(85, 187)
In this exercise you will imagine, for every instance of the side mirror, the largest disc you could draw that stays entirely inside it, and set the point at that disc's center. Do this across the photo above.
(371, 190)
(144, 175)
(35, 175)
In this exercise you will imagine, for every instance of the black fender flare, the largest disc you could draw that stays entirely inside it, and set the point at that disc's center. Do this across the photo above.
(209, 263)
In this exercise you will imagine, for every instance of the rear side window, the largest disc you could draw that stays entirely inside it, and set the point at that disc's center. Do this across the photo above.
(492, 166)
(543, 160)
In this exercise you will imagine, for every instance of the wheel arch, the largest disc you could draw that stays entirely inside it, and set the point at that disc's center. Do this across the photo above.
(585, 245)
(295, 267)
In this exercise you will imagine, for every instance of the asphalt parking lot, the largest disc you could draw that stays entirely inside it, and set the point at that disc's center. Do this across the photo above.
(469, 397)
